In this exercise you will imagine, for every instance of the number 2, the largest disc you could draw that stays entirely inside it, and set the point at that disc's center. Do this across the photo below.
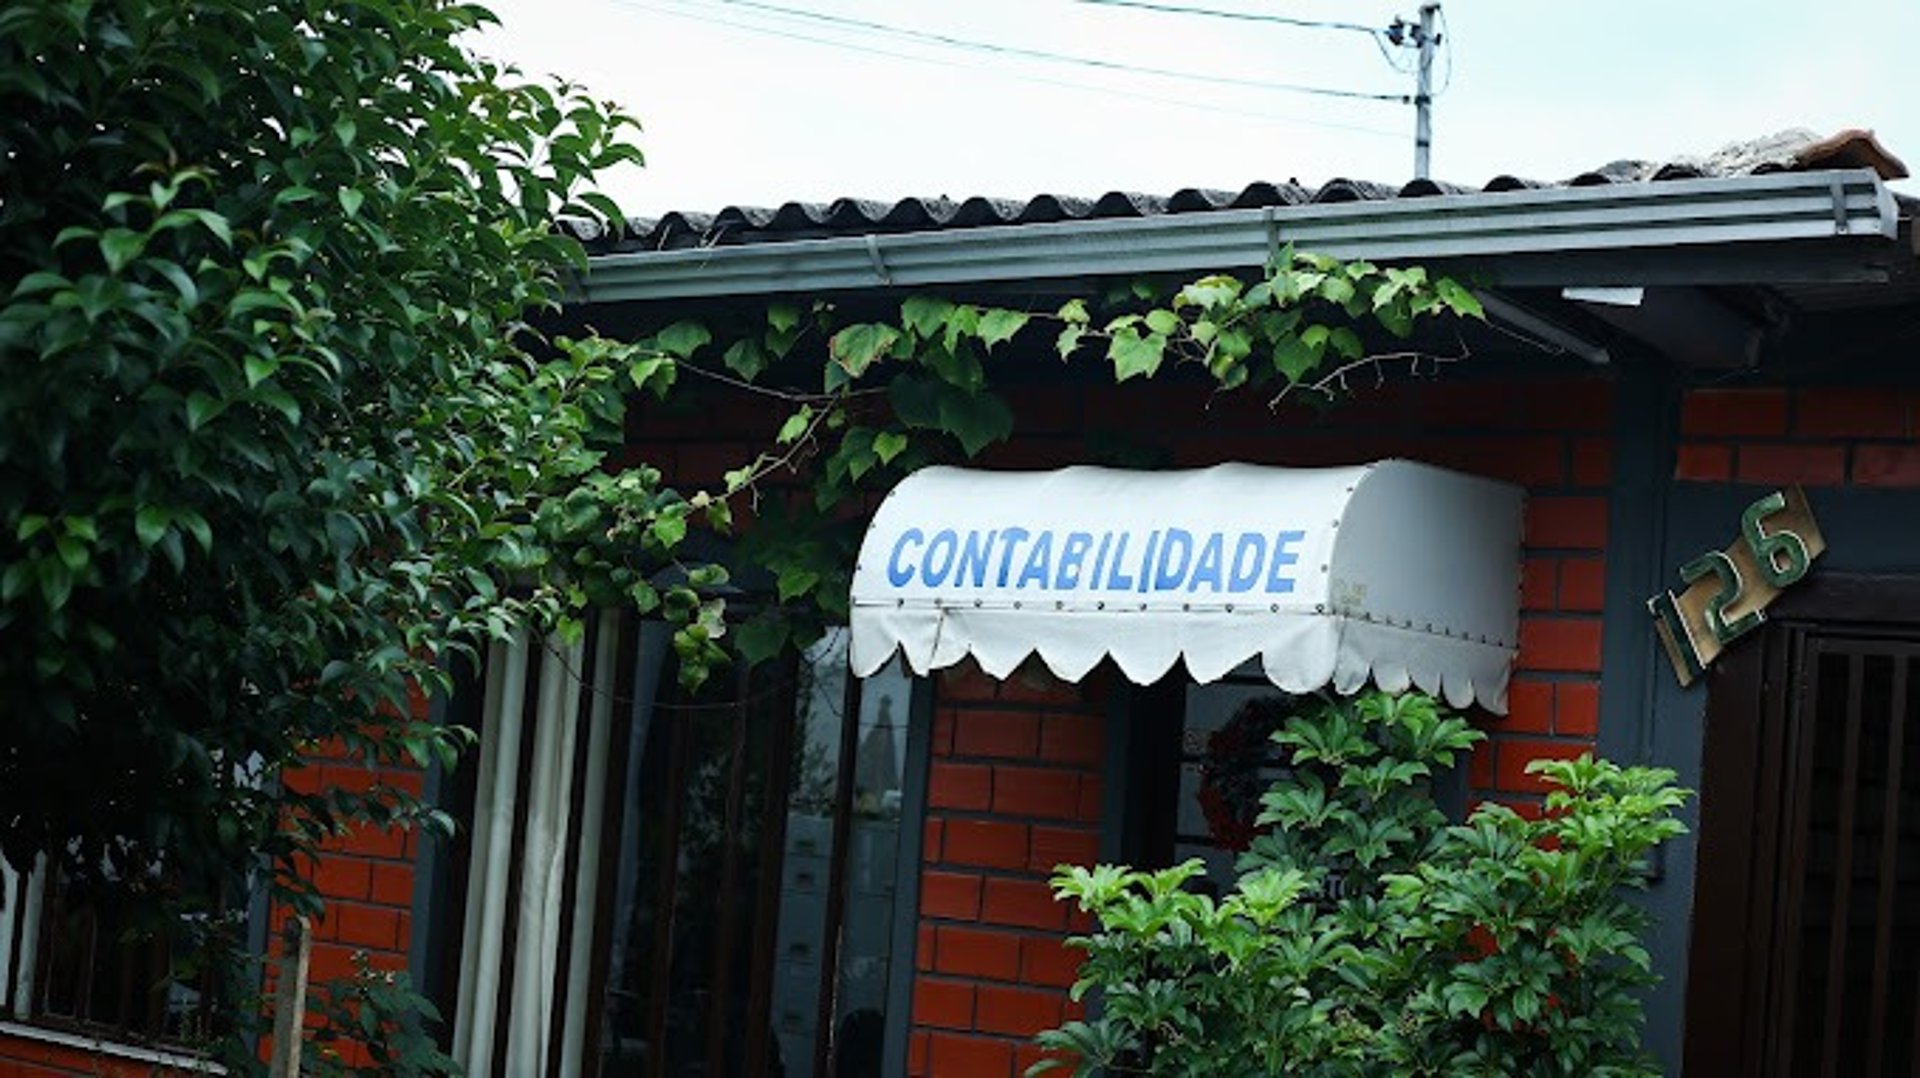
(1719, 565)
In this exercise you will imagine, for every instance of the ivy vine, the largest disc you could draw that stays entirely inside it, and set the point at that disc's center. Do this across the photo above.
(895, 395)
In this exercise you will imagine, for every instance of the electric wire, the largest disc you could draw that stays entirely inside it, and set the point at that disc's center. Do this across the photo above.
(1157, 99)
(1243, 16)
(930, 37)
(1375, 34)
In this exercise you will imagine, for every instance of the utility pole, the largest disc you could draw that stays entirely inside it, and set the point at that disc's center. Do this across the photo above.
(1423, 93)
(1420, 36)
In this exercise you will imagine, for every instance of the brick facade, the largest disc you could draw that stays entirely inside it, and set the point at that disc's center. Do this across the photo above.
(28, 1057)
(1016, 779)
(1014, 788)
(366, 877)
(1551, 435)
(1817, 437)
(992, 968)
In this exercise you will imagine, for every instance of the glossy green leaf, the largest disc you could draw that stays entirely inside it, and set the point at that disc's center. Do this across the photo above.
(120, 246)
(783, 317)
(856, 347)
(796, 425)
(73, 553)
(260, 368)
(1293, 357)
(1068, 342)
(1134, 354)
(1000, 324)
(1459, 299)
(889, 444)
(796, 581)
(37, 282)
(976, 420)
(746, 358)
(653, 373)
(682, 339)
(150, 523)
(761, 637)
(668, 530)
(202, 408)
(196, 526)
(925, 316)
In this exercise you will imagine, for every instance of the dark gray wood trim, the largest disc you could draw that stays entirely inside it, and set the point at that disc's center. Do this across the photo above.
(426, 945)
(829, 975)
(902, 960)
(1645, 433)
(1869, 538)
(1114, 770)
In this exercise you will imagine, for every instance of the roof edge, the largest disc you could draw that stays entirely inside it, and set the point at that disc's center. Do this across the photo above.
(1849, 204)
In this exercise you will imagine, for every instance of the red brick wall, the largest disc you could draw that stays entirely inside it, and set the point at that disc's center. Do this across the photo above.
(1816, 437)
(1014, 789)
(22, 1057)
(366, 877)
(1016, 776)
(1016, 770)
(1551, 436)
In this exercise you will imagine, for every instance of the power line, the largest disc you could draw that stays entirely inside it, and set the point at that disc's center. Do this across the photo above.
(1377, 35)
(1172, 102)
(1442, 40)
(1055, 57)
(1244, 16)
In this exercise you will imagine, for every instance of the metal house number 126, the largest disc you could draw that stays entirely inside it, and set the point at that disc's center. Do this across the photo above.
(1729, 590)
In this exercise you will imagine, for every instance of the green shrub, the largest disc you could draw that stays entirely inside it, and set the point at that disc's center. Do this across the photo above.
(1367, 936)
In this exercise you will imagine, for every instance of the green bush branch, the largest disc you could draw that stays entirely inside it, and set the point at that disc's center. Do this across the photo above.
(1505, 945)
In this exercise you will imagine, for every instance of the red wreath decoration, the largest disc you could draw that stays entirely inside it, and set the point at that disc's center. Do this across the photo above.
(1230, 783)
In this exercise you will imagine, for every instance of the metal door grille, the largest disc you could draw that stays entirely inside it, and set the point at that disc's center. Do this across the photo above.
(1807, 955)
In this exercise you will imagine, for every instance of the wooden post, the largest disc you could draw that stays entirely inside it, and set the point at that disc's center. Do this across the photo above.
(290, 1000)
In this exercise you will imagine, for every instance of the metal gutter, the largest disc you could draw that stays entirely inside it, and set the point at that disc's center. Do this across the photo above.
(1795, 206)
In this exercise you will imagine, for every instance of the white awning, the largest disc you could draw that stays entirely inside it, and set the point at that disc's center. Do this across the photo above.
(1394, 572)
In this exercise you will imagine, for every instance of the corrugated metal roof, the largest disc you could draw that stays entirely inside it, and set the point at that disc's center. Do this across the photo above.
(1792, 151)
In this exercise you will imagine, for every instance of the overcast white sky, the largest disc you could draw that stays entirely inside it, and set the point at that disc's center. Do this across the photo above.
(745, 105)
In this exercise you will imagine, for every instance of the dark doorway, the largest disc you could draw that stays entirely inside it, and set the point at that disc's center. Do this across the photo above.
(1806, 919)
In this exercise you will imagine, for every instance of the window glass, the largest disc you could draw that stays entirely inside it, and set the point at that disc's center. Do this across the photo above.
(73, 958)
(1227, 760)
(843, 813)
(752, 905)
(870, 863)
(697, 881)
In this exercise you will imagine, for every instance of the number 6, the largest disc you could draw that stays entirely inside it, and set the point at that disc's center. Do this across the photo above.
(1766, 548)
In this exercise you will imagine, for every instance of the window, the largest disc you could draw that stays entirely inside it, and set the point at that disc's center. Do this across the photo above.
(71, 959)
(663, 883)
(1194, 787)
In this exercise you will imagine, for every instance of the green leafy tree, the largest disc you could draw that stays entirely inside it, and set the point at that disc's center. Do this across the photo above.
(277, 442)
(1367, 937)
(280, 445)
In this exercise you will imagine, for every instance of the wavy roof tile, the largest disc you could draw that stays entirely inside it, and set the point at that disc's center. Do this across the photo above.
(1796, 150)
